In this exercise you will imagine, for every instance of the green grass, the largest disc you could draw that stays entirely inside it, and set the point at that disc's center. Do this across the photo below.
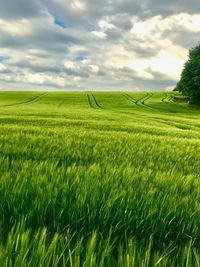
(99, 179)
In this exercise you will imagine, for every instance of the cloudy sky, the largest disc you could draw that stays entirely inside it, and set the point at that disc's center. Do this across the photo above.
(95, 44)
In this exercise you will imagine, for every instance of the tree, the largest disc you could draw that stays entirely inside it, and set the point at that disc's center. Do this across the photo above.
(189, 83)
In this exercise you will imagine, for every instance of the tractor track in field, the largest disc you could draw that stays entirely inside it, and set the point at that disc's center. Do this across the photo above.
(168, 98)
(93, 102)
(150, 95)
(89, 101)
(171, 98)
(61, 103)
(28, 102)
(97, 104)
(130, 98)
(164, 98)
(140, 100)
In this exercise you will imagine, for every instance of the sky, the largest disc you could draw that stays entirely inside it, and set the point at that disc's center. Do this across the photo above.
(101, 45)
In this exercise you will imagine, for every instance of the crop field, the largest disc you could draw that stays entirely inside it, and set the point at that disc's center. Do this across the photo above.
(99, 179)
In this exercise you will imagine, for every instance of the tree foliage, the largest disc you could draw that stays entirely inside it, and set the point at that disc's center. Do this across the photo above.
(189, 83)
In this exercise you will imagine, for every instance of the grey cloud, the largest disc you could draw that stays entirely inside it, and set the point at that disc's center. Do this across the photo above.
(182, 37)
(95, 9)
(110, 7)
(6, 71)
(83, 71)
(127, 72)
(121, 9)
(159, 81)
(101, 73)
(114, 34)
(13, 9)
(66, 13)
(140, 50)
(170, 7)
(159, 76)
(122, 21)
(77, 72)
(28, 65)
(153, 84)
(45, 38)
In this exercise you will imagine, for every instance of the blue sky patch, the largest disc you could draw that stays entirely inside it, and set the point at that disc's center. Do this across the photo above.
(79, 58)
(3, 58)
(59, 23)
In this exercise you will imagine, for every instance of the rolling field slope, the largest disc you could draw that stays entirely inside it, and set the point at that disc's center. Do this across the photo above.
(99, 179)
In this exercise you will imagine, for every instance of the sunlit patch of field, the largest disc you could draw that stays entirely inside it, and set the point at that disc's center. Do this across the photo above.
(99, 179)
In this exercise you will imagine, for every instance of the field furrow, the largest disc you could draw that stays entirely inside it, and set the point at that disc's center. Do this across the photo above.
(27, 102)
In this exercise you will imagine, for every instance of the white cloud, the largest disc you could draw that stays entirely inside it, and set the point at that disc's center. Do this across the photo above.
(105, 25)
(94, 68)
(2, 67)
(99, 34)
(37, 78)
(16, 28)
(75, 49)
(167, 62)
(70, 64)
(86, 61)
(77, 79)
(189, 22)
(170, 57)
(155, 26)
(78, 5)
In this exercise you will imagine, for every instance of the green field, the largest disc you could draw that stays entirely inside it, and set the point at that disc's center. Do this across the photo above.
(99, 179)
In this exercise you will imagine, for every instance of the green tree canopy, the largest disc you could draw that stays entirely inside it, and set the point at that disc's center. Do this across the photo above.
(189, 83)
